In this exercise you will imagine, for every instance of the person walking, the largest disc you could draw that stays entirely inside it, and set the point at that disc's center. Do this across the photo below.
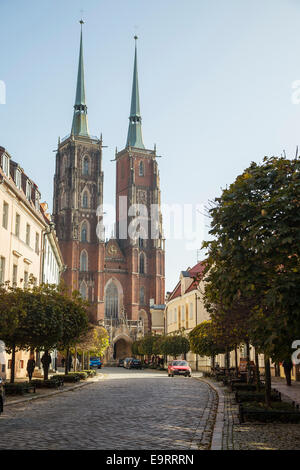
(30, 367)
(46, 361)
(288, 366)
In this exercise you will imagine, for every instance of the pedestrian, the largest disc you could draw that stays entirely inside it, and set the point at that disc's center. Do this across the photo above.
(30, 367)
(63, 362)
(288, 366)
(46, 361)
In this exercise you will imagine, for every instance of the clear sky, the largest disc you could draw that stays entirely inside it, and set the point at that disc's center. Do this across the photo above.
(215, 88)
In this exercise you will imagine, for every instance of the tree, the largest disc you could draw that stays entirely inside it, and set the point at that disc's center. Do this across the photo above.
(255, 252)
(95, 341)
(204, 341)
(74, 321)
(175, 345)
(12, 313)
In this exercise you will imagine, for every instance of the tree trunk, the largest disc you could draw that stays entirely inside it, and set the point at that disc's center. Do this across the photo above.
(88, 359)
(248, 361)
(257, 373)
(75, 360)
(236, 361)
(82, 360)
(13, 364)
(67, 361)
(213, 361)
(277, 369)
(268, 381)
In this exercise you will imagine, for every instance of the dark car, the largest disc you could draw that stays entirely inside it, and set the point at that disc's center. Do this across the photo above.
(2, 394)
(95, 362)
(126, 362)
(134, 364)
(121, 363)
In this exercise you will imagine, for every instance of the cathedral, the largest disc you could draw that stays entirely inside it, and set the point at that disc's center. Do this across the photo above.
(123, 277)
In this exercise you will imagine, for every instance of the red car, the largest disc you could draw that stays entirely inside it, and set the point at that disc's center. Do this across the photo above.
(179, 368)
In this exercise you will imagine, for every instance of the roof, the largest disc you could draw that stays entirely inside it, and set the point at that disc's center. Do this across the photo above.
(191, 272)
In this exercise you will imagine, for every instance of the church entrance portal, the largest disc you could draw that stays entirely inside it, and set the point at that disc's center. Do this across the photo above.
(122, 349)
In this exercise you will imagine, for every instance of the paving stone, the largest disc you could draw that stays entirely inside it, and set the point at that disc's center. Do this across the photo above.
(126, 410)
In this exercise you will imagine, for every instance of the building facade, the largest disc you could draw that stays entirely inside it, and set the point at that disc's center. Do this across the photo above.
(119, 276)
(24, 227)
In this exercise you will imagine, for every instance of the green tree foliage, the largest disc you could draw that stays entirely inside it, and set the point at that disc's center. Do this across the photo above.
(254, 254)
(174, 345)
(204, 340)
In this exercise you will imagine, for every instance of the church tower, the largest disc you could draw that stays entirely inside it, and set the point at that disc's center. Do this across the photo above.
(138, 216)
(78, 192)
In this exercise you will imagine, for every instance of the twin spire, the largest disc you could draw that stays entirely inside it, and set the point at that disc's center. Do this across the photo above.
(80, 120)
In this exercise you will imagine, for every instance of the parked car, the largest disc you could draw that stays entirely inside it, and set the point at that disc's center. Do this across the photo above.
(126, 362)
(95, 362)
(134, 364)
(121, 363)
(2, 394)
(179, 368)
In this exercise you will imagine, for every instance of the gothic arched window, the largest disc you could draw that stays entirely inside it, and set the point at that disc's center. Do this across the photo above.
(83, 290)
(142, 295)
(84, 232)
(85, 200)
(111, 301)
(83, 261)
(142, 264)
(86, 166)
(141, 169)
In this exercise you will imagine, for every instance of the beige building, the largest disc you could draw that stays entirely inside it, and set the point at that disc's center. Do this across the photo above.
(24, 227)
(185, 309)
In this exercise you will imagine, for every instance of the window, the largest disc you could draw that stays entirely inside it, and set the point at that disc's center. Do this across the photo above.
(5, 164)
(191, 311)
(83, 261)
(141, 169)
(85, 200)
(142, 295)
(141, 243)
(85, 166)
(25, 278)
(15, 275)
(84, 232)
(111, 301)
(83, 290)
(182, 313)
(17, 225)
(5, 215)
(37, 201)
(2, 269)
(142, 264)
(37, 243)
(28, 190)
(18, 178)
(27, 234)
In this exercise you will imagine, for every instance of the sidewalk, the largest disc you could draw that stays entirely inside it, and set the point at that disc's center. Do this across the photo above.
(289, 393)
(44, 393)
(229, 434)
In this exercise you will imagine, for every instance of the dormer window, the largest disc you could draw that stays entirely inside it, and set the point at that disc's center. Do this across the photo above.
(18, 178)
(37, 201)
(5, 164)
(28, 190)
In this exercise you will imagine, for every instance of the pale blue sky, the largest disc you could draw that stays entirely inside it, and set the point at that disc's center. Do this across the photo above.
(215, 87)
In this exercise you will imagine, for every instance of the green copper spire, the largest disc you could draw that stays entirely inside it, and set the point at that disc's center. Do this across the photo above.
(134, 138)
(80, 121)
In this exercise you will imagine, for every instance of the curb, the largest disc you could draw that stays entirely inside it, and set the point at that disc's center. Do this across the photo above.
(217, 434)
(56, 392)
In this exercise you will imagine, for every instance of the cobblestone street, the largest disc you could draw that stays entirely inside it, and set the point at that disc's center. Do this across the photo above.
(125, 410)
